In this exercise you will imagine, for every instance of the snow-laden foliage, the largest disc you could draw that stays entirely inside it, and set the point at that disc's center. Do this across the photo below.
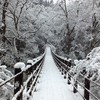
(81, 27)
(89, 67)
(6, 91)
(91, 64)
(87, 27)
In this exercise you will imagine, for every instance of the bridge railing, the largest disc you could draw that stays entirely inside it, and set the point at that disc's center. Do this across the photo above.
(32, 72)
(64, 67)
(62, 64)
(85, 85)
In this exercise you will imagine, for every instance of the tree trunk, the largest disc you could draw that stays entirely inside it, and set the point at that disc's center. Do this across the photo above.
(5, 5)
(68, 39)
(68, 43)
(3, 28)
(17, 57)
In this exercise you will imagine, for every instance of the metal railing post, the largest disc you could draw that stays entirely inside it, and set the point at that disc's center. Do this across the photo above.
(18, 82)
(75, 87)
(65, 74)
(30, 82)
(69, 78)
(87, 86)
(62, 71)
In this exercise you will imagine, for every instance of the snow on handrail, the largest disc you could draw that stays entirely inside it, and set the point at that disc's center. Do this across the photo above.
(90, 80)
(64, 58)
(37, 64)
(29, 78)
(3, 83)
(62, 61)
(6, 81)
(85, 86)
(34, 82)
(63, 64)
(77, 89)
(25, 83)
(18, 93)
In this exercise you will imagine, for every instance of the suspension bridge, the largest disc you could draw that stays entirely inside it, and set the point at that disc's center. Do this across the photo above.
(52, 85)
(49, 79)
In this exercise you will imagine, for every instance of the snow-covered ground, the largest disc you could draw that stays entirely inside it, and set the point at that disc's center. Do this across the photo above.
(52, 85)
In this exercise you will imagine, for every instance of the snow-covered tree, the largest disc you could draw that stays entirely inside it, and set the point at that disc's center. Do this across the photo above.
(6, 90)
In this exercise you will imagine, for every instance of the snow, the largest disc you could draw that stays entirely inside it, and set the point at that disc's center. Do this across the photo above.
(4, 73)
(90, 66)
(20, 65)
(6, 91)
(17, 94)
(51, 85)
(2, 50)
(3, 67)
(30, 62)
(91, 63)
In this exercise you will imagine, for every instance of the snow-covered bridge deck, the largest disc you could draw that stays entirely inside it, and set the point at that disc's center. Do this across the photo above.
(52, 86)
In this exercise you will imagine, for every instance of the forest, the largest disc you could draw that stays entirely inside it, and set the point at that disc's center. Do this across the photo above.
(26, 27)
(72, 28)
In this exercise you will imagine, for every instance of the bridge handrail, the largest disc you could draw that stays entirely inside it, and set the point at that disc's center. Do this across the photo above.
(86, 86)
(63, 61)
(80, 84)
(8, 80)
(33, 72)
(61, 58)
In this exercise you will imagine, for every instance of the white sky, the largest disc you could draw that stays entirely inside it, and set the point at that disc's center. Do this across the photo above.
(59, 0)
(55, 1)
